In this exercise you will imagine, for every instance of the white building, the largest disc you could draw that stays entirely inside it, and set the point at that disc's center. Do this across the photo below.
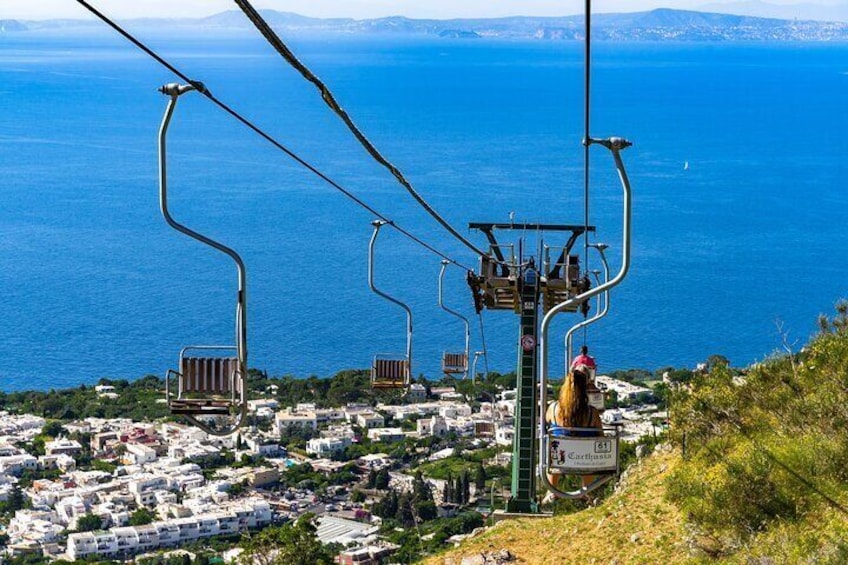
(386, 435)
(435, 426)
(62, 446)
(262, 445)
(624, 390)
(324, 447)
(290, 418)
(138, 454)
(17, 464)
(129, 540)
(416, 393)
(505, 435)
(369, 420)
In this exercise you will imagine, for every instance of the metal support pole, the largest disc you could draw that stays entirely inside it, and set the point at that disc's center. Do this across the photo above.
(615, 145)
(377, 225)
(175, 91)
(477, 355)
(445, 264)
(569, 335)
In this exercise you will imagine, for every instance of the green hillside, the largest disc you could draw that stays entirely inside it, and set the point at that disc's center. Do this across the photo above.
(756, 472)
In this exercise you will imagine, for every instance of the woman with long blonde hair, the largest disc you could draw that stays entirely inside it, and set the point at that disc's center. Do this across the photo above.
(572, 410)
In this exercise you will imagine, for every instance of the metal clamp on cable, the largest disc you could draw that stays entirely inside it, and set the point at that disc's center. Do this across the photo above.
(176, 89)
(611, 143)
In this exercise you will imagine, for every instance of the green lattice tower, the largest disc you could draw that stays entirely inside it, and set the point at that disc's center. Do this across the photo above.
(523, 498)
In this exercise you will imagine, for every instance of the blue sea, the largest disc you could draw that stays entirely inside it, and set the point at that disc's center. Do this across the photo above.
(733, 255)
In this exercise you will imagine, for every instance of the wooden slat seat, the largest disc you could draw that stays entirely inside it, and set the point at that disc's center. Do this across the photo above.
(206, 386)
(389, 373)
(454, 362)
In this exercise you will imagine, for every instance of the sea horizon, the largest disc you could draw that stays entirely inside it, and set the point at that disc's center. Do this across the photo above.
(730, 253)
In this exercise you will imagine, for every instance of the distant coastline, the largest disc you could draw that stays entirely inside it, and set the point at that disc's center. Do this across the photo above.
(655, 25)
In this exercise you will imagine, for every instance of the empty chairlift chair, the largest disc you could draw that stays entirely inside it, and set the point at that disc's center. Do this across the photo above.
(389, 371)
(453, 363)
(209, 387)
(498, 278)
(562, 279)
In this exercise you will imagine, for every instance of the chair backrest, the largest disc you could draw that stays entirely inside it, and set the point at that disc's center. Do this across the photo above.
(389, 369)
(454, 362)
(209, 375)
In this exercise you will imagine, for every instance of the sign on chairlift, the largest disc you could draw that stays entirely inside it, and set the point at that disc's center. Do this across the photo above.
(582, 455)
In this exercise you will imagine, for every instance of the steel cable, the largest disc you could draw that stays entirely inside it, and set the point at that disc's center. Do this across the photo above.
(226, 108)
(274, 40)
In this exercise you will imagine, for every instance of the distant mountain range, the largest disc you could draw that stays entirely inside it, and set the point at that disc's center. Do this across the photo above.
(837, 12)
(660, 24)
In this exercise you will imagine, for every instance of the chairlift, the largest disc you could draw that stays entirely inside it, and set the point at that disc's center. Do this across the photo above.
(587, 452)
(389, 371)
(499, 278)
(454, 363)
(596, 396)
(211, 381)
(562, 278)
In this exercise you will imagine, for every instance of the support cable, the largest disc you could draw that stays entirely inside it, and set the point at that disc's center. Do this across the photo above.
(587, 83)
(286, 53)
(267, 137)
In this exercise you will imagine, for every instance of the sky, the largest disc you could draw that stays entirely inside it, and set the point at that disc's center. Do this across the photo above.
(49, 9)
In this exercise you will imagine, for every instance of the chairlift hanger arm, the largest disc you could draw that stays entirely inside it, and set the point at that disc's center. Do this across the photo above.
(615, 145)
(569, 335)
(465, 321)
(377, 225)
(174, 91)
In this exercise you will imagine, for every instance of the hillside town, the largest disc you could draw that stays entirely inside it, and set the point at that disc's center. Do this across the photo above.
(100, 488)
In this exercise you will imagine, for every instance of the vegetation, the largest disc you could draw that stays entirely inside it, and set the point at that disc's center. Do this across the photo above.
(464, 461)
(768, 451)
(16, 501)
(757, 472)
(141, 517)
(291, 544)
(635, 525)
(89, 523)
(428, 537)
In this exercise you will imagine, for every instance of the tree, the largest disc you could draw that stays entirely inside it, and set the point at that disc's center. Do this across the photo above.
(141, 517)
(15, 502)
(466, 487)
(382, 480)
(714, 361)
(89, 522)
(421, 490)
(480, 478)
(447, 492)
(291, 544)
(53, 429)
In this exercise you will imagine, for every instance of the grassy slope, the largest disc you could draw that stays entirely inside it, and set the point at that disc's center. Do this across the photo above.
(636, 525)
